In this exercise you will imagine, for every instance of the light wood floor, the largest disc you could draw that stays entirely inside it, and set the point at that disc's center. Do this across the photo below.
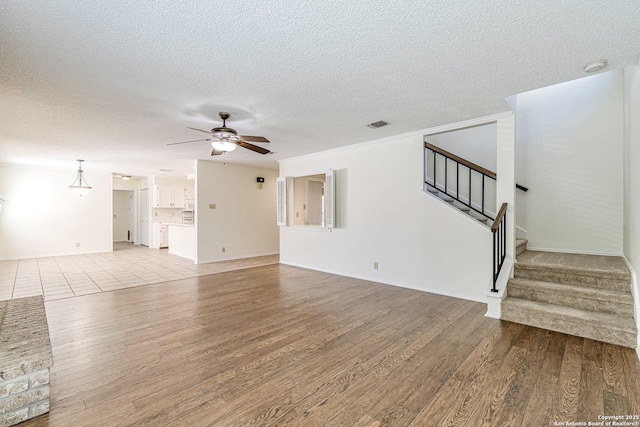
(279, 345)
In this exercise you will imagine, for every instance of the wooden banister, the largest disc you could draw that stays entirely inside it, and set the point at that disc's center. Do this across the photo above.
(501, 214)
(460, 160)
(467, 163)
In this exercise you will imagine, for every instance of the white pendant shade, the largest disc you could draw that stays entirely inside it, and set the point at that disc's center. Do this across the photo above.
(80, 186)
(222, 145)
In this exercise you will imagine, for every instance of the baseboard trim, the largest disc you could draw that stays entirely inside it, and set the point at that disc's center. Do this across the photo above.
(233, 258)
(636, 299)
(398, 285)
(57, 254)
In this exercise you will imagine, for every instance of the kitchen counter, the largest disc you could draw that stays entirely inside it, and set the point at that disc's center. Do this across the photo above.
(182, 240)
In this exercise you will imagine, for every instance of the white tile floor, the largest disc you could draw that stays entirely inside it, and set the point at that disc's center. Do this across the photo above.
(127, 266)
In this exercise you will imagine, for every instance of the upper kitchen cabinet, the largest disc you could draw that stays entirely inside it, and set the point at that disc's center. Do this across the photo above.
(169, 196)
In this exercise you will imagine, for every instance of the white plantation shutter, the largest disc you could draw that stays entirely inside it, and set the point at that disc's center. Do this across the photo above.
(329, 200)
(281, 189)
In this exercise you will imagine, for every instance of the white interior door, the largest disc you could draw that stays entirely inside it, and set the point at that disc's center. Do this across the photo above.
(132, 217)
(144, 217)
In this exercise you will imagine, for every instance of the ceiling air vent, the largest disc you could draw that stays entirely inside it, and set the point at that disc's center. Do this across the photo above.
(376, 125)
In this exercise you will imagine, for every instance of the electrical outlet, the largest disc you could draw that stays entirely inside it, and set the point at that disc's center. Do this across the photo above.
(212, 205)
(224, 249)
(297, 214)
(77, 244)
(375, 265)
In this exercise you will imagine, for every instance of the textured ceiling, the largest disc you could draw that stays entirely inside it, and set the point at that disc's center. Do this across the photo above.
(114, 81)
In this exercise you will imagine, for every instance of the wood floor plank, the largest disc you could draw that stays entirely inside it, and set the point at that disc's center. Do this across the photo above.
(591, 399)
(329, 371)
(510, 411)
(539, 407)
(484, 411)
(403, 372)
(239, 377)
(280, 345)
(449, 407)
(565, 404)
(613, 370)
(631, 376)
(405, 341)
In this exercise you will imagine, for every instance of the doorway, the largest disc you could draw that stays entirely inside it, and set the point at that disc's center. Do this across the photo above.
(123, 216)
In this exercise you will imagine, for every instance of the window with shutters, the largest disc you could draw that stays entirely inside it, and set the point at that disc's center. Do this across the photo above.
(306, 201)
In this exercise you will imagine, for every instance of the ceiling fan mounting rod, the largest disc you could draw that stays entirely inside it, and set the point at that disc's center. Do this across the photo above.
(224, 116)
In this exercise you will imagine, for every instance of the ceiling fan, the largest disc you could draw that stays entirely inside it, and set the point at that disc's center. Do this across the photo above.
(224, 139)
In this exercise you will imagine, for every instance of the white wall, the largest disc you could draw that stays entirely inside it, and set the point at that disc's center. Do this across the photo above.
(383, 215)
(570, 138)
(632, 176)
(476, 144)
(121, 220)
(43, 217)
(244, 221)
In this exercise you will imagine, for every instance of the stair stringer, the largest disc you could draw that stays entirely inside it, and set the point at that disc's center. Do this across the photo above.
(443, 198)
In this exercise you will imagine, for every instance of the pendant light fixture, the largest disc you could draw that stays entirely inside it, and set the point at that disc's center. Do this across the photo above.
(80, 185)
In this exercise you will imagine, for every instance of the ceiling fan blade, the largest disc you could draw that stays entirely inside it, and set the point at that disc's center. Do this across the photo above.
(216, 152)
(199, 130)
(253, 147)
(186, 142)
(253, 138)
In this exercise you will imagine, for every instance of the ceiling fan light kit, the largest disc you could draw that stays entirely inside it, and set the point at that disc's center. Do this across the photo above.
(222, 145)
(225, 139)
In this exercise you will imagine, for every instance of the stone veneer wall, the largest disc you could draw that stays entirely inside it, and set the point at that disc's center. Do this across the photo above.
(25, 358)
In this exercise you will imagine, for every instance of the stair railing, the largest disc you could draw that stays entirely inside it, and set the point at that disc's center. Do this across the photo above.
(458, 163)
(498, 229)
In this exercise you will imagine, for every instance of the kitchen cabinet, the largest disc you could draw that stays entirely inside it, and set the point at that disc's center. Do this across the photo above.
(164, 237)
(160, 238)
(169, 197)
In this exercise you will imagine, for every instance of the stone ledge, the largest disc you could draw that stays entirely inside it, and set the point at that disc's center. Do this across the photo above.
(24, 337)
(25, 358)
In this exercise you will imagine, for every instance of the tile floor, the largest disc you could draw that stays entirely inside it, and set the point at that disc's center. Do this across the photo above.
(127, 266)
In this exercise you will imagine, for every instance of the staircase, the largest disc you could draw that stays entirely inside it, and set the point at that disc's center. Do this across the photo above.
(584, 295)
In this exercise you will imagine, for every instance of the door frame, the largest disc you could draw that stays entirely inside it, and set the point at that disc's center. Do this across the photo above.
(139, 217)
